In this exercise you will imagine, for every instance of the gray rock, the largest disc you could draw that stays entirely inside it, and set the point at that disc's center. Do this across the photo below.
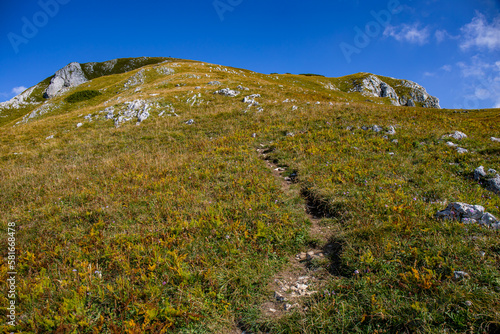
(462, 150)
(79, 125)
(495, 139)
(50, 137)
(189, 122)
(371, 85)
(494, 184)
(279, 297)
(227, 92)
(458, 211)
(451, 144)
(479, 173)
(410, 103)
(458, 275)
(488, 219)
(251, 99)
(391, 131)
(457, 135)
(376, 128)
(69, 76)
(214, 83)
(395, 141)
(143, 116)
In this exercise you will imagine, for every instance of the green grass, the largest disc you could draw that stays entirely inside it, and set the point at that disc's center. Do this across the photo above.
(179, 228)
(82, 95)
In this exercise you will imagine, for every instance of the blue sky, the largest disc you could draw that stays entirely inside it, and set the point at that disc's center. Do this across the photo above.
(452, 48)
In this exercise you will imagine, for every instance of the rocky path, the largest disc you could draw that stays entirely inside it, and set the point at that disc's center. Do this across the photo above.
(300, 279)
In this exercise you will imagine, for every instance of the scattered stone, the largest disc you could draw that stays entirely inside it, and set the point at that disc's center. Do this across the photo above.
(290, 134)
(272, 310)
(395, 141)
(301, 257)
(391, 131)
(240, 87)
(456, 135)
(189, 122)
(376, 128)
(494, 184)
(79, 125)
(468, 214)
(458, 211)
(214, 83)
(227, 92)
(279, 297)
(251, 99)
(294, 108)
(49, 137)
(479, 173)
(391, 153)
(451, 144)
(462, 150)
(495, 139)
(458, 275)
(254, 135)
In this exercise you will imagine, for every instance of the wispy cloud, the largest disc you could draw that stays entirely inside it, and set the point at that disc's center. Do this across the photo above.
(408, 33)
(446, 68)
(483, 79)
(441, 35)
(481, 34)
(18, 90)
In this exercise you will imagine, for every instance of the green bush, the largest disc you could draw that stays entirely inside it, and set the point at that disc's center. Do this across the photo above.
(82, 96)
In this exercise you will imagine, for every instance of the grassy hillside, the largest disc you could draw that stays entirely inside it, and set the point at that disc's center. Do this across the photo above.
(167, 227)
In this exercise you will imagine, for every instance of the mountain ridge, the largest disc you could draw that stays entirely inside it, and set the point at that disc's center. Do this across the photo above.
(400, 92)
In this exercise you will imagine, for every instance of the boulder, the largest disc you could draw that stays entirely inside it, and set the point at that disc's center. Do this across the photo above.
(479, 173)
(468, 214)
(494, 184)
(69, 76)
(458, 211)
(495, 139)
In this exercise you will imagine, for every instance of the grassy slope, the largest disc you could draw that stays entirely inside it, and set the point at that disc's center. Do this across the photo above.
(174, 226)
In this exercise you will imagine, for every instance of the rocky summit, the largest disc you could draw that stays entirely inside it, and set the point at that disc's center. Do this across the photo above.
(161, 195)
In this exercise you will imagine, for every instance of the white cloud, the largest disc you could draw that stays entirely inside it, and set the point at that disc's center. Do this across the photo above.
(481, 34)
(18, 90)
(429, 74)
(446, 68)
(408, 33)
(483, 80)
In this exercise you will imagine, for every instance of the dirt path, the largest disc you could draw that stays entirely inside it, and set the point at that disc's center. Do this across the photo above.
(290, 288)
